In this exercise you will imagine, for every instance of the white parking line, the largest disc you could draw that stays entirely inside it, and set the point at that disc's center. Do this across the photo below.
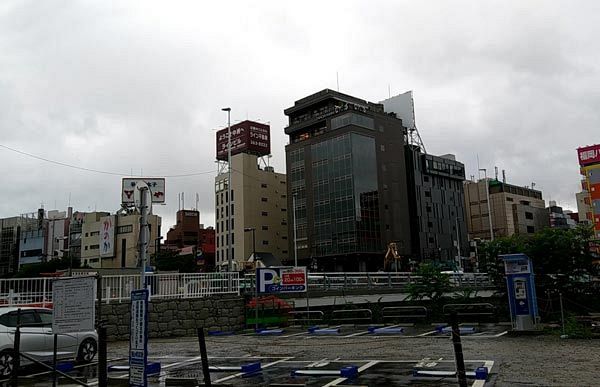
(294, 334)
(242, 373)
(360, 369)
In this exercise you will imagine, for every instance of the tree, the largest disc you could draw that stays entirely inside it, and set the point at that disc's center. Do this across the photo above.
(561, 257)
(168, 260)
(431, 283)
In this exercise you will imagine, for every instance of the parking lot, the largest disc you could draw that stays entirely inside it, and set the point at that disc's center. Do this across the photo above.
(381, 359)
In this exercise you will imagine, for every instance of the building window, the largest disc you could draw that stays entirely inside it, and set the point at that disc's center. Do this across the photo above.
(528, 215)
(95, 233)
(94, 247)
(426, 179)
(382, 148)
(85, 248)
(265, 242)
(283, 209)
(430, 224)
(530, 229)
(232, 210)
(125, 229)
(263, 199)
(264, 213)
(509, 199)
(263, 185)
(231, 195)
(428, 209)
(265, 227)
(284, 237)
(427, 194)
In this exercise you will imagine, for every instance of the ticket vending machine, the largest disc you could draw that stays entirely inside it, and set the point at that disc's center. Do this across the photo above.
(521, 291)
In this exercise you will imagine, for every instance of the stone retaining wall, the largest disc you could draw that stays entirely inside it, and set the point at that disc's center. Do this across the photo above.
(178, 317)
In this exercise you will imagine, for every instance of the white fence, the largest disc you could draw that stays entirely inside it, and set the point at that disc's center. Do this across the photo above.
(117, 288)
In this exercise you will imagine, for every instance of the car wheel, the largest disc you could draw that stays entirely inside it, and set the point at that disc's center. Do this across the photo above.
(7, 362)
(87, 350)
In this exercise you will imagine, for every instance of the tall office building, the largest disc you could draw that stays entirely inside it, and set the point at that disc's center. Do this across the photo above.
(257, 208)
(358, 186)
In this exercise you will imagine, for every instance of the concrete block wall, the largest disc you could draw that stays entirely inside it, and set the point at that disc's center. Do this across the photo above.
(178, 317)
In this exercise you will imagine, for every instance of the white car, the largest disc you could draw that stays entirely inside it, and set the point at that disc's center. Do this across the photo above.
(37, 339)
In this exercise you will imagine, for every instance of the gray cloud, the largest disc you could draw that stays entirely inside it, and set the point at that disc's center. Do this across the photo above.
(135, 88)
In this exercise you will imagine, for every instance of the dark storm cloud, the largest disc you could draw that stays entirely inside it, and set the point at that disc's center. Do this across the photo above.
(138, 87)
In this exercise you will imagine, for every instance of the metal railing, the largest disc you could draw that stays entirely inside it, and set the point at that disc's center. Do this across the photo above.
(117, 288)
(376, 280)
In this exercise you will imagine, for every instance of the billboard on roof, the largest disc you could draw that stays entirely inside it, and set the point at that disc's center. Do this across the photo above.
(246, 137)
(589, 155)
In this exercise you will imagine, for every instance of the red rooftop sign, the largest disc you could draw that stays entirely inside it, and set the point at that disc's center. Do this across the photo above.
(246, 137)
(589, 155)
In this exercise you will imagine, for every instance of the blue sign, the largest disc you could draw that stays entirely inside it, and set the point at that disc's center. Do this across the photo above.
(281, 280)
(138, 339)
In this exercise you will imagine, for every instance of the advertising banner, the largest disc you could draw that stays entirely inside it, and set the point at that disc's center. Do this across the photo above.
(281, 279)
(247, 136)
(107, 236)
(589, 155)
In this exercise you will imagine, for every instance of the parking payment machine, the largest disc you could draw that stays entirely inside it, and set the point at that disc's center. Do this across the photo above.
(521, 291)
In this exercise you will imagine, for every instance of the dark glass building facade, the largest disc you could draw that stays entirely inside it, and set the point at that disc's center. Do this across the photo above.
(357, 186)
(347, 173)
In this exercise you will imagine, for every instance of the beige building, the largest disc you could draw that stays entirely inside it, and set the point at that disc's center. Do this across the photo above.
(124, 231)
(515, 210)
(258, 202)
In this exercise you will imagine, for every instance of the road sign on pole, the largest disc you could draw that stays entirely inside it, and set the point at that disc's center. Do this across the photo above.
(138, 339)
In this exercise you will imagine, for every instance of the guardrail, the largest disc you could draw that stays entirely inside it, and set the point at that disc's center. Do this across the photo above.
(117, 288)
(376, 280)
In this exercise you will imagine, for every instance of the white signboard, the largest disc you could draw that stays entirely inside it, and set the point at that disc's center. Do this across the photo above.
(74, 305)
(155, 185)
(138, 339)
(107, 236)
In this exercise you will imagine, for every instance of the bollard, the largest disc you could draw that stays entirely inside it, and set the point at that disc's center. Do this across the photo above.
(204, 356)
(102, 356)
(458, 354)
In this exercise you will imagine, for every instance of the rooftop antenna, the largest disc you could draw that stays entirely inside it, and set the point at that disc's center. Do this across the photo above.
(197, 200)
(532, 185)
(496, 171)
(69, 200)
(414, 136)
(504, 176)
(389, 91)
(478, 167)
(182, 201)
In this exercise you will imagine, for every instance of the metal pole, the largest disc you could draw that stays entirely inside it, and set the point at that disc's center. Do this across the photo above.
(562, 315)
(54, 360)
(143, 233)
(458, 353)
(203, 355)
(295, 236)
(17, 349)
(487, 194)
(458, 246)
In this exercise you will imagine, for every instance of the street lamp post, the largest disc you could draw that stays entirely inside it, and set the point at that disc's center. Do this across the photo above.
(229, 257)
(487, 194)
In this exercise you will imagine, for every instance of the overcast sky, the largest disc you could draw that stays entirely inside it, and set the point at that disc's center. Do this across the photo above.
(138, 87)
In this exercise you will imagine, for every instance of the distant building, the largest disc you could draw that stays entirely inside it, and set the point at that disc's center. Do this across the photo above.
(111, 241)
(258, 202)
(589, 161)
(10, 237)
(560, 218)
(514, 209)
(189, 232)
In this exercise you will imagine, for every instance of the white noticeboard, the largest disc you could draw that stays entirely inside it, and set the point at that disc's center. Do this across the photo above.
(74, 302)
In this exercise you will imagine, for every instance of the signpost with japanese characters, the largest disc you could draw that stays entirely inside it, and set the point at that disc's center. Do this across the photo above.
(138, 339)
(246, 137)
(156, 186)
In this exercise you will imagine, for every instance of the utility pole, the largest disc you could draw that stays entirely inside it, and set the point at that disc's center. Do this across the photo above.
(144, 193)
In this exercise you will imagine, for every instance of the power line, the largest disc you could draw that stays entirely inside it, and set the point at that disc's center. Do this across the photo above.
(93, 170)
